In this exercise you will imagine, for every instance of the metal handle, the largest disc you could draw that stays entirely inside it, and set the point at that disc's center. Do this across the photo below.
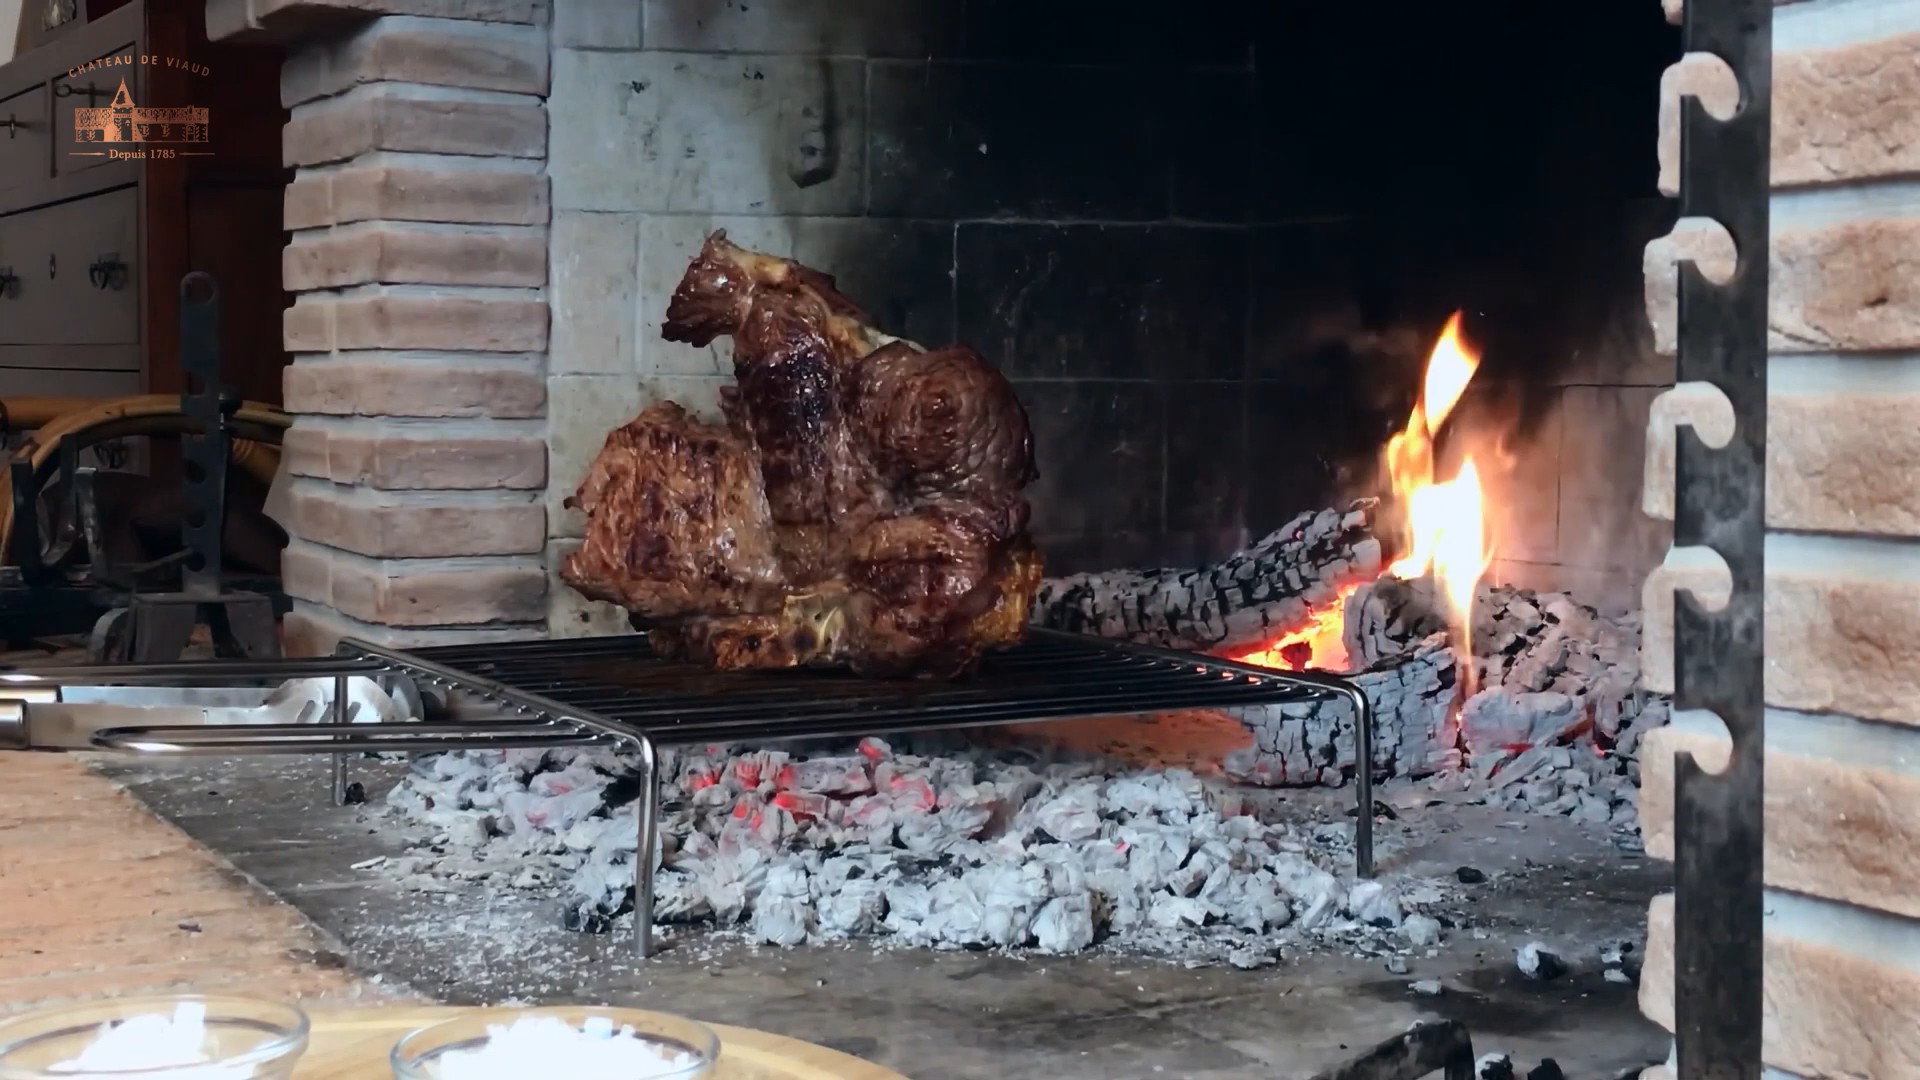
(108, 272)
(9, 283)
(91, 92)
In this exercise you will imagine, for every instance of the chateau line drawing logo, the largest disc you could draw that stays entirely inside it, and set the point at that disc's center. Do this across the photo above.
(139, 128)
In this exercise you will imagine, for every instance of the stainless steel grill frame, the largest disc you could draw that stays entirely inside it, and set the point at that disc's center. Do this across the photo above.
(610, 691)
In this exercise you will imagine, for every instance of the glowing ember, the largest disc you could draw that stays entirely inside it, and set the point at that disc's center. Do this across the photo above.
(1446, 528)
(1318, 645)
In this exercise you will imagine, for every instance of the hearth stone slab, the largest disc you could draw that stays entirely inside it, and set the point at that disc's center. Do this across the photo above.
(964, 1015)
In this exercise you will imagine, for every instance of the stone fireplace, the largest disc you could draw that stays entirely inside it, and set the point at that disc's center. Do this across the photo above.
(1210, 256)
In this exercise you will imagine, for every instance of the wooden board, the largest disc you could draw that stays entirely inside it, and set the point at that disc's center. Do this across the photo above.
(353, 1044)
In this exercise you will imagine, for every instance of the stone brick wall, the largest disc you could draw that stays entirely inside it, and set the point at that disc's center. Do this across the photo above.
(1843, 551)
(416, 465)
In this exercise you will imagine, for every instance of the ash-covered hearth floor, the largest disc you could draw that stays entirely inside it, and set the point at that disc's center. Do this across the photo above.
(965, 1015)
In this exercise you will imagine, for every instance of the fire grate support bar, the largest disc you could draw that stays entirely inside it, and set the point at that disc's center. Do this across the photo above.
(1719, 656)
(538, 692)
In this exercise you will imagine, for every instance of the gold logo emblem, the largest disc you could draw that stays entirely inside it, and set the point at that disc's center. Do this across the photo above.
(124, 122)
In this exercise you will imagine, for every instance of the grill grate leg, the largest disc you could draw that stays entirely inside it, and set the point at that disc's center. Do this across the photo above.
(339, 716)
(648, 814)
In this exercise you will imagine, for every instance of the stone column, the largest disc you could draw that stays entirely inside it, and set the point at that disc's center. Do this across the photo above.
(418, 215)
(1843, 551)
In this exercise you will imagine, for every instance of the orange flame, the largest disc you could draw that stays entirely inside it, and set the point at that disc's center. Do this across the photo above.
(1445, 529)
(1445, 520)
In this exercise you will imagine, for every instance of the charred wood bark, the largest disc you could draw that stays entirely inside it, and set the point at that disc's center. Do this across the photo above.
(1423, 1051)
(1313, 742)
(1250, 597)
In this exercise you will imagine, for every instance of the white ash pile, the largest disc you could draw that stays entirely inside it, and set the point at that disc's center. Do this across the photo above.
(1556, 718)
(961, 849)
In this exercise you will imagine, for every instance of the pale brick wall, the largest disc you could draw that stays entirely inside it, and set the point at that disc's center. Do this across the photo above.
(419, 216)
(1843, 555)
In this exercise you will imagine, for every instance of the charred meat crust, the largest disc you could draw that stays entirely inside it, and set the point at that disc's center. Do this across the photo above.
(859, 506)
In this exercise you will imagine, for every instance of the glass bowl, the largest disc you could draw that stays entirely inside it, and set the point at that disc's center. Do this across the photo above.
(423, 1054)
(237, 1039)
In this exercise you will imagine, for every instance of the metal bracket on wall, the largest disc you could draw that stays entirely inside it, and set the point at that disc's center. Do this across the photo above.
(1721, 504)
(204, 451)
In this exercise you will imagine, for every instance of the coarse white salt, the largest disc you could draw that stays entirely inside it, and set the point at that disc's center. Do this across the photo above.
(154, 1042)
(549, 1046)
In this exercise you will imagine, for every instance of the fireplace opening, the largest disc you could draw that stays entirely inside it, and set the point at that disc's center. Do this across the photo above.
(1331, 327)
(1331, 332)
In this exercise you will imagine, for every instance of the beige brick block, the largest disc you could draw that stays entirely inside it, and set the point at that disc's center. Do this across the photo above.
(308, 202)
(1844, 462)
(433, 52)
(1699, 406)
(314, 630)
(506, 197)
(303, 451)
(1838, 830)
(383, 387)
(410, 527)
(287, 21)
(1694, 75)
(307, 326)
(402, 254)
(416, 321)
(379, 118)
(1839, 461)
(1836, 641)
(1684, 569)
(1826, 1012)
(1705, 244)
(1839, 114)
(1847, 287)
(420, 594)
(1846, 644)
(1846, 113)
(419, 460)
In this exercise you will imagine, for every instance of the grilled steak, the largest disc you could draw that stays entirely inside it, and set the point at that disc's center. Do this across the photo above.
(861, 505)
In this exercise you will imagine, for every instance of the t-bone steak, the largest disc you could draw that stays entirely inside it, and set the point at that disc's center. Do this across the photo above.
(860, 506)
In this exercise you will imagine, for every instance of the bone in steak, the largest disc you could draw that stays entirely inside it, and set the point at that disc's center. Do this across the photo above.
(861, 504)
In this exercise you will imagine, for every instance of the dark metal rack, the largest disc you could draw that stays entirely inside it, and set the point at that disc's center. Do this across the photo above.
(129, 617)
(614, 692)
(1719, 656)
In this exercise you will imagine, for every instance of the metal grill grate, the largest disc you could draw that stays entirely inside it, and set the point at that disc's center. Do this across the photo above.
(1051, 676)
(612, 691)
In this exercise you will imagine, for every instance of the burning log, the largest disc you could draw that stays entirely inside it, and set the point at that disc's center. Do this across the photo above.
(1547, 670)
(1250, 597)
(1397, 647)
(1412, 695)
